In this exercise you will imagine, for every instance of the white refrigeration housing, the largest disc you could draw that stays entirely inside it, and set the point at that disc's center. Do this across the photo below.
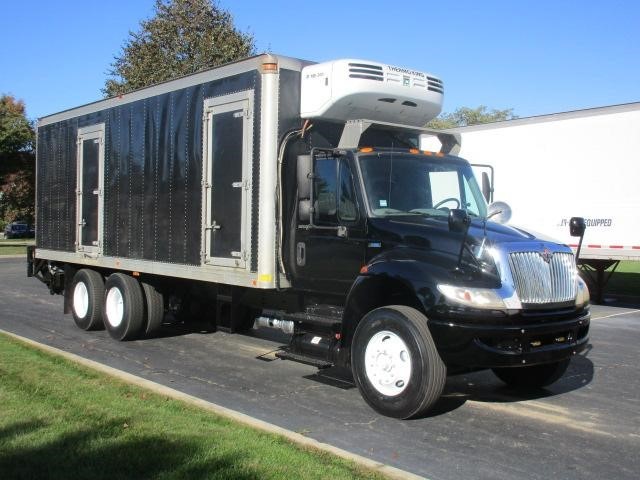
(351, 89)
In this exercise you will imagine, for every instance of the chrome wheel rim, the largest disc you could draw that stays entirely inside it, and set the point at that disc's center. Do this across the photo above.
(388, 363)
(80, 300)
(114, 307)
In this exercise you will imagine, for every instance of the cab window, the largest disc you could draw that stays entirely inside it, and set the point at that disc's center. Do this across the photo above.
(334, 192)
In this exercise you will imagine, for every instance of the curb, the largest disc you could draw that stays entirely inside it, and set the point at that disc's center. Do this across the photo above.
(386, 470)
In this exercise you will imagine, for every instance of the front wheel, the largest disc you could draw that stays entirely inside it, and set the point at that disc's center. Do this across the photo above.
(395, 362)
(534, 376)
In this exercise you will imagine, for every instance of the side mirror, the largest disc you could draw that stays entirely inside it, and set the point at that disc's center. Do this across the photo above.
(305, 169)
(486, 187)
(577, 226)
(499, 211)
(459, 220)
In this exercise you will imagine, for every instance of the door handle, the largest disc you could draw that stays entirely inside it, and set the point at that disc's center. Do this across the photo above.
(82, 223)
(301, 254)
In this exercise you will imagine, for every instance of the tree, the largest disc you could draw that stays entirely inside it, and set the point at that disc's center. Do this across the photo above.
(183, 37)
(16, 132)
(17, 138)
(465, 116)
(17, 197)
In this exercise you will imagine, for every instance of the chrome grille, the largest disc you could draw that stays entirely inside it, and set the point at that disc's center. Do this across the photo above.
(538, 281)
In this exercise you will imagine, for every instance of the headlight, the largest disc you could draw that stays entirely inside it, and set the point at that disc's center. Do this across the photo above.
(473, 297)
(582, 295)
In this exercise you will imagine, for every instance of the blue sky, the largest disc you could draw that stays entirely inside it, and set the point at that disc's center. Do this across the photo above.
(536, 57)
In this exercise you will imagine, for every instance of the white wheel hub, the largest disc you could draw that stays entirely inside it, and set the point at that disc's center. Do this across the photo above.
(114, 307)
(80, 300)
(388, 363)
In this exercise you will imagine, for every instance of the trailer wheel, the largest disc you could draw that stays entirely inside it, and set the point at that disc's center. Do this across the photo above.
(395, 362)
(534, 376)
(123, 307)
(154, 303)
(87, 295)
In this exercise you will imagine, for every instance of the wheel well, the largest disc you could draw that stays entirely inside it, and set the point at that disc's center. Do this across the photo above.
(371, 293)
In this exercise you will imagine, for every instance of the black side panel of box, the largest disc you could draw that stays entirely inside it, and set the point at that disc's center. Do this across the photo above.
(56, 197)
(152, 174)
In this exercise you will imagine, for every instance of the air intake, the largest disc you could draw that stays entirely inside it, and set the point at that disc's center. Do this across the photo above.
(544, 277)
(366, 72)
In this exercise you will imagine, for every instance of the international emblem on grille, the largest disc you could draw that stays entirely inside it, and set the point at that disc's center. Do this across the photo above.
(546, 255)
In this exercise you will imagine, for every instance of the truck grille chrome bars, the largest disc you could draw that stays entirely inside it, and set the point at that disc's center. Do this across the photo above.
(544, 277)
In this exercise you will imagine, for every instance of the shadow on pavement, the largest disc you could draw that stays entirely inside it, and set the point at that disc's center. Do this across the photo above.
(484, 386)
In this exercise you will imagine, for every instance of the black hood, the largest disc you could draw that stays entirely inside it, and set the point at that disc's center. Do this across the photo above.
(432, 233)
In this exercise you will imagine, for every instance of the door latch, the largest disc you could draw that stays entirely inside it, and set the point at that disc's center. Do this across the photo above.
(301, 254)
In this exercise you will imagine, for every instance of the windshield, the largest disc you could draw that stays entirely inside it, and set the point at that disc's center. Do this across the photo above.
(402, 183)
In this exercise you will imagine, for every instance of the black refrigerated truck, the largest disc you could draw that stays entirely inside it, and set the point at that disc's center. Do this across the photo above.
(274, 192)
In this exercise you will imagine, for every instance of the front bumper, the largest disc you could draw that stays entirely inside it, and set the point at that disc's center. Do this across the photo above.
(517, 339)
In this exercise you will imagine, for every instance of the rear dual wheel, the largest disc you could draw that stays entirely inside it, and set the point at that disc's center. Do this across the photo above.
(87, 296)
(123, 307)
(131, 307)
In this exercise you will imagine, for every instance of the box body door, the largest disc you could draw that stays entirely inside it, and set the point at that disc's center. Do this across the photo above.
(228, 148)
(90, 186)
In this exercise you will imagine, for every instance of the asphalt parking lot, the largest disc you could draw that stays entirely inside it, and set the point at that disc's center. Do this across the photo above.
(587, 425)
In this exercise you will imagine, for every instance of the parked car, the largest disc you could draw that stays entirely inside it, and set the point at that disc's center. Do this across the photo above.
(18, 230)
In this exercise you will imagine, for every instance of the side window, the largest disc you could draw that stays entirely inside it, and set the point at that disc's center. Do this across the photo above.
(326, 191)
(334, 192)
(347, 210)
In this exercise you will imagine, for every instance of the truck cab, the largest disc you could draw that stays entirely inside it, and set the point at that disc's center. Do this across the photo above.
(404, 241)
(421, 276)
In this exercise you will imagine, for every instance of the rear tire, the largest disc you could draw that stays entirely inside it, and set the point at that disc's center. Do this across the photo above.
(123, 307)
(395, 363)
(534, 376)
(87, 296)
(154, 303)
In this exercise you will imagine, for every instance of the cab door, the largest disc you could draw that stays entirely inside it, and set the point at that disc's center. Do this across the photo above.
(329, 254)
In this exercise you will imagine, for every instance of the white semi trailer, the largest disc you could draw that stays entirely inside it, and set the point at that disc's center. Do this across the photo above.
(550, 167)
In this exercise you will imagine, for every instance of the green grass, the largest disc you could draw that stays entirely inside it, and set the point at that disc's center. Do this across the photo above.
(59, 420)
(16, 246)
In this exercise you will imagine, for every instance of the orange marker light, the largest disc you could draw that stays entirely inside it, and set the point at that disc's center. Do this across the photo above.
(427, 152)
(364, 269)
(414, 150)
(366, 150)
(135, 274)
(269, 68)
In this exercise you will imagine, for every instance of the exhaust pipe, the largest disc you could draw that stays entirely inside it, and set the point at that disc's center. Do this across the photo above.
(287, 326)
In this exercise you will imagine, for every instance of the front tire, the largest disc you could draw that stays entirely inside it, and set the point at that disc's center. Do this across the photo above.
(87, 295)
(395, 363)
(123, 307)
(534, 376)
